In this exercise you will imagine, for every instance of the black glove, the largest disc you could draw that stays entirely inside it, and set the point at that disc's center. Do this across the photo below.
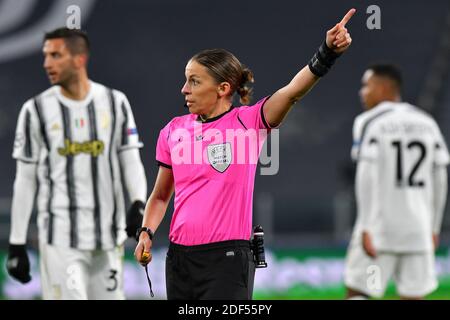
(18, 265)
(134, 218)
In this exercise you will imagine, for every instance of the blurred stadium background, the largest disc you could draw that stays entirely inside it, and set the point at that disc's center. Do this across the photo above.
(307, 209)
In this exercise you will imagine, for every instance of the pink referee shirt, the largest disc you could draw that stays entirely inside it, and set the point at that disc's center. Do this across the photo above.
(214, 165)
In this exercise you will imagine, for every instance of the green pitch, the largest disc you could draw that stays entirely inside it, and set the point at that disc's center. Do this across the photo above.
(338, 293)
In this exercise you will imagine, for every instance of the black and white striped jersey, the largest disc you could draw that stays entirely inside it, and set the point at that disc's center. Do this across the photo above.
(406, 144)
(76, 146)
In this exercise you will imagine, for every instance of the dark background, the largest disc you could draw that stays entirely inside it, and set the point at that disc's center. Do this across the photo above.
(141, 48)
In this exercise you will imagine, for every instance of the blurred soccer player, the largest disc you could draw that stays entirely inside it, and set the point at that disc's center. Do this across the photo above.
(209, 255)
(401, 190)
(72, 141)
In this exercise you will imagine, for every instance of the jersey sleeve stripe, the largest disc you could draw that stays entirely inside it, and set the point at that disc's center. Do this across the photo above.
(162, 164)
(124, 125)
(366, 126)
(241, 122)
(28, 145)
(263, 118)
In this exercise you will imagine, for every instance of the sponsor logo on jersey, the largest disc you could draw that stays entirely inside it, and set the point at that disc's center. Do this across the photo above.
(94, 147)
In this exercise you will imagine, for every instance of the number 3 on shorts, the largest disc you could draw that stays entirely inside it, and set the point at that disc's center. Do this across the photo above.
(113, 279)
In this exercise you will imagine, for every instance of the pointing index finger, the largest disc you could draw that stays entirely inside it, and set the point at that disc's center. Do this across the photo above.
(347, 17)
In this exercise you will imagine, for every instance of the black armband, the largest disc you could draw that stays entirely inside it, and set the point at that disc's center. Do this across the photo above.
(323, 60)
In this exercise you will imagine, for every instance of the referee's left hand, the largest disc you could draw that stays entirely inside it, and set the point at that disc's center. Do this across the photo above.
(143, 251)
(338, 39)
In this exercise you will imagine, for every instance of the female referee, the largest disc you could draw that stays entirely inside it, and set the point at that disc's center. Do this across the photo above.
(209, 255)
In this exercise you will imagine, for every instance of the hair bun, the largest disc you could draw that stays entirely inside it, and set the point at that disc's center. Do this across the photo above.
(247, 75)
(245, 93)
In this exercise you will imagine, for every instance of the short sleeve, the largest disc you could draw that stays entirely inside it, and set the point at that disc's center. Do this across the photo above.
(369, 148)
(129, 137)
(253, 116)
(441, 157)
(27, 136)
(162, 148)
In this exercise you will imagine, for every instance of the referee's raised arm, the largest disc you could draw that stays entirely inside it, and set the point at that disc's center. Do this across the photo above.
(337, 41)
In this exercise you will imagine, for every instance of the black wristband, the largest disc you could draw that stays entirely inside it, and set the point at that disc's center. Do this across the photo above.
(17, 249)
(323, 60)
(144, 229)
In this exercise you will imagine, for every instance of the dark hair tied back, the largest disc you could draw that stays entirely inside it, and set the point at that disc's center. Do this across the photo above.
(243, 91)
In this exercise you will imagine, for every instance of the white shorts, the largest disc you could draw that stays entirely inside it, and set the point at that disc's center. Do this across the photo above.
(71, 274)
(414, 274)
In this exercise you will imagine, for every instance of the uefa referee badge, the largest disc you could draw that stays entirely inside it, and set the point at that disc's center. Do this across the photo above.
(219, 156)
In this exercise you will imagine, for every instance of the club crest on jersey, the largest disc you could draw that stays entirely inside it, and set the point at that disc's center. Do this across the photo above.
(94, 148)
(219, 156)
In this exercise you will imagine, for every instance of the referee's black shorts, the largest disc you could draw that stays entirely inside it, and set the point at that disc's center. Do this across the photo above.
(215, 271)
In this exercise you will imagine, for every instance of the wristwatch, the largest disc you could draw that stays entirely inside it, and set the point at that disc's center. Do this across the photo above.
(144, 229)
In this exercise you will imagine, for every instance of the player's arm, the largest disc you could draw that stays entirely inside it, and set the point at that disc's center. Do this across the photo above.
(366, 191)
(337, 41)
(136, 185)
(155, 210)
(27, 145)
(25, 187)
(131, 164)
(439, 199)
